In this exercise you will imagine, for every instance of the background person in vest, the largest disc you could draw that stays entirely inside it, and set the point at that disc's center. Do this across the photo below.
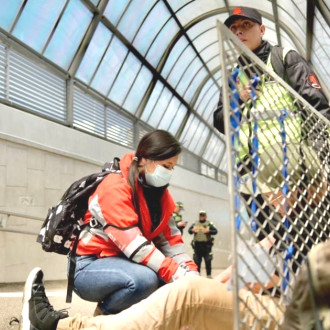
(202, 242)
(140, 247)
(246, 24)
(177, 216)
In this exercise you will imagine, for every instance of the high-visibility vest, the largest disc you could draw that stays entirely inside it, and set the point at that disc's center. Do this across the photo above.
(272, 99)
(200, 236)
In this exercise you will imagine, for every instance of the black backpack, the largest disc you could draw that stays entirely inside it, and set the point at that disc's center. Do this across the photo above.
(65, 221)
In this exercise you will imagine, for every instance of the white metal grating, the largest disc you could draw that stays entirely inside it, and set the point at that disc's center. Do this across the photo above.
(36, 87)
(278, 170)
(119, 128)
(88, 113)
(2, 70)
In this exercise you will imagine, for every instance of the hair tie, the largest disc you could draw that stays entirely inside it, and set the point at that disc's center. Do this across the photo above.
(135, 158)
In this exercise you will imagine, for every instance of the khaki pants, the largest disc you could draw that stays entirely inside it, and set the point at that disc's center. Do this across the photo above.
(192, 303)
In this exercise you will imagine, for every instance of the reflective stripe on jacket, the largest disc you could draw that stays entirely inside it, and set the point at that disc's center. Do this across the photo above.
(111, 204)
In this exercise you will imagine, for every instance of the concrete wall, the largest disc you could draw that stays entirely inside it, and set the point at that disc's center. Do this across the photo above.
(39, 159)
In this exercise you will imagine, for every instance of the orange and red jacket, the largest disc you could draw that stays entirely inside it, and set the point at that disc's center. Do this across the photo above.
(111, 204)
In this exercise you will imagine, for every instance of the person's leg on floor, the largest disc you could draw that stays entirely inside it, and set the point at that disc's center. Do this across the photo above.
(37, 312)
(116, 283)
(208, 265)
(191, 301)
(197, 259)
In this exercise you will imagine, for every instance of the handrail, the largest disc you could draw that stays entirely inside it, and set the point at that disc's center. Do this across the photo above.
(18, 231)
(19, 215)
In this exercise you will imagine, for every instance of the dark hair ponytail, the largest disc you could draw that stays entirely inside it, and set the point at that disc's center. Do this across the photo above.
(156, 145)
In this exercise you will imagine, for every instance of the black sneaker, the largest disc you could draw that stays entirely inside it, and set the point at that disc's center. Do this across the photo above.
(37, 312)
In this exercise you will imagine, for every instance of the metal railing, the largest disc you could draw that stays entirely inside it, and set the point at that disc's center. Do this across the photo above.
(278, 172)
(8, 214)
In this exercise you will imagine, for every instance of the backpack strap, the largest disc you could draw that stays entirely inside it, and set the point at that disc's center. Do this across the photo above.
(278, 55)
(112, 167)
(72, 268)
(277, 60)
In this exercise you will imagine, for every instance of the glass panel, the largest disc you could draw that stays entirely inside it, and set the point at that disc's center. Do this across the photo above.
(286, 40)
(194, 84)
(125, 79)
(180, 66)
(206, 38)
(188, 76)
(176, 51)
(159, 46)
(152, 101)
(175, 4)
(205, 89)
(321, 48)
(170, 113)
(189, 130)
(114, 10)
(205, 26)
(214, 63)
(210, 107)
(138, 90)
(69, 33)
(94, 53)
(213, 150)
(270, 32)
(133, 17)
(160, 107)
(223, 163)
(207, 103)
(109, 67)
(197, 8)
(178, 119)
(37, 22)
(95, 2)
(200, 138)
(8, 12)
(150, 27)
(210, 51)
(294, 16)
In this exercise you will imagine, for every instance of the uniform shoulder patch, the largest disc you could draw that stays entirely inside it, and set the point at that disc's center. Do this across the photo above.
(313, 81)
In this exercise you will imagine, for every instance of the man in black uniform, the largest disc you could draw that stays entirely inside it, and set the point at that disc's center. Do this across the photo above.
(203, 241)
(246, 24)
(177, 216)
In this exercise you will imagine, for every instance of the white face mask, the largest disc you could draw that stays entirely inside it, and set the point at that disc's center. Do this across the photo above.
(159, 178)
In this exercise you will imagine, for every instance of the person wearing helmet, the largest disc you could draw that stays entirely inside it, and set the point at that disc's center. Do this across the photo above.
(177, 216)
(202, 243)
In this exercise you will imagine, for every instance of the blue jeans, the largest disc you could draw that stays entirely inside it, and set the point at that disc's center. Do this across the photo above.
(115, 282)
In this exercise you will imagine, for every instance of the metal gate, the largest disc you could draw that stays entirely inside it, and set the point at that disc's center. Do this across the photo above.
(278, 156)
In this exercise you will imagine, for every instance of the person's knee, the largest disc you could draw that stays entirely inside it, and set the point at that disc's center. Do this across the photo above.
(149, 282)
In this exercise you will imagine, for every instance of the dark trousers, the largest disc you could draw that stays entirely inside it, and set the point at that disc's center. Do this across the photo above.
(202, 250)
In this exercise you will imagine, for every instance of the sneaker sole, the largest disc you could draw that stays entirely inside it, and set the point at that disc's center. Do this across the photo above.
(25, 323)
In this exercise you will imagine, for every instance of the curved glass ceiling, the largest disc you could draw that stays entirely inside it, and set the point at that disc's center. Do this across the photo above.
(157, 61)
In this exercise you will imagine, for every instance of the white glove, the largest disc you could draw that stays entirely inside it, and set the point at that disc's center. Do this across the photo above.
(183, 270)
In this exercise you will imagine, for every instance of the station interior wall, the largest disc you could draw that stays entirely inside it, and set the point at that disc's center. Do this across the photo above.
(39, 159)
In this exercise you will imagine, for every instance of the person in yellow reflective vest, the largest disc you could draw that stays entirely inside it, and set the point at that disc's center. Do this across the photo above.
(246, 24)
(177, 216)
(202, 243)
